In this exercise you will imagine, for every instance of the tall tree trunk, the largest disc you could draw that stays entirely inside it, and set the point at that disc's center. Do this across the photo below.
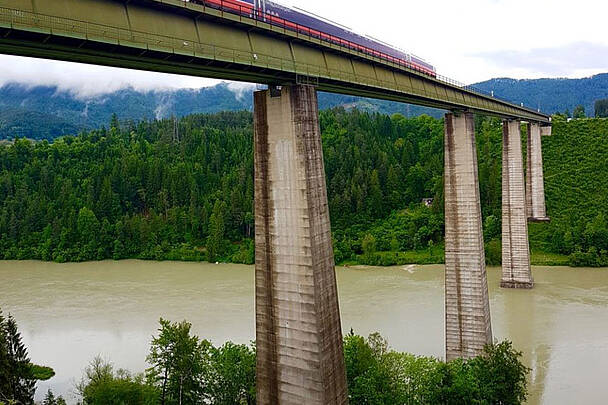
(162, 400)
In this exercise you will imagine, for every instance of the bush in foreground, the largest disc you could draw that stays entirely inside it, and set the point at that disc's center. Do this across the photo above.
(187, 370)
(378, 375)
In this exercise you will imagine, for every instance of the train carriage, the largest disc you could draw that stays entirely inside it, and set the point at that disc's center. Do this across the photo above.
(307, 23)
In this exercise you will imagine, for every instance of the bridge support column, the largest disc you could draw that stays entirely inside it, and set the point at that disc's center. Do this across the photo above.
(298, 332)
(467, 307)
(516, 271)
(535, 186)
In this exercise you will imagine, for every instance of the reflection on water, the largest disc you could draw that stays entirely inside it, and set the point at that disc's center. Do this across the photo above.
(68, 313)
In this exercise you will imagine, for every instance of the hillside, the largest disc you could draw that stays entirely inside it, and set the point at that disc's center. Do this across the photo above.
(551, 95)
(47, 112)
(137, 190)
(576, 180)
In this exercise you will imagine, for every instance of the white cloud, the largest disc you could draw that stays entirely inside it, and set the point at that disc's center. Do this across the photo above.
(89, 80)
(240, 89)
(469, 40)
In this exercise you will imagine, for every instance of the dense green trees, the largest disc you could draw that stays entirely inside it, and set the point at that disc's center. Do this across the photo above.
(51, 399)
(102, 385)
(576, 177)
(130, 191)
(377, 375)
(579, 112)
(134, 190)
(601, 108)
(137, 191)
(178, 362)
(186, 370)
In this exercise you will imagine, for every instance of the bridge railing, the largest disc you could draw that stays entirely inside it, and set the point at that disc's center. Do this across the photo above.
(84, 30)
(232, 7)
(16, 19)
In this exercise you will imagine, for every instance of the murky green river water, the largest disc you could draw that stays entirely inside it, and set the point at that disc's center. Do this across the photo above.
(68, 313)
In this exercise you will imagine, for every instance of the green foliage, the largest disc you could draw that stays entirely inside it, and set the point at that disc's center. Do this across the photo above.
(41, 373)
(50, 399)
(378, 375)
(601, 108)
(500, 374)
(132, 191)
(102, 385)
(234, 372)
(16, 380)
(187, 370)
(178, 364)
(137, 191)
(576, 177)
(493, 250)
(17, 374)
(215, 241)
(579, 112)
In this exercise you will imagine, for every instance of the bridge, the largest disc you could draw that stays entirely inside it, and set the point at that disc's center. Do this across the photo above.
(298, 329)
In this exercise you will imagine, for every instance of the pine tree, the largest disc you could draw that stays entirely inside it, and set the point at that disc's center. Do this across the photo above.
(216, 231)
(579, 112)
(21, 383)
(376, 198)
(50, 399)
(601, 108)
(4, 361)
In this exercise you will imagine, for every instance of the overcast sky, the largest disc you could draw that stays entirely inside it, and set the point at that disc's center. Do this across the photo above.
(468, 40)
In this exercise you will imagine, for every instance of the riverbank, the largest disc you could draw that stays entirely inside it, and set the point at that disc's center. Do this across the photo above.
(435, 255)
(244, 253)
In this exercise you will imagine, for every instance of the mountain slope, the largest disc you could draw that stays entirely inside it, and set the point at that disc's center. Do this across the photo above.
(47, 112)
(74, 113)
(551, 95)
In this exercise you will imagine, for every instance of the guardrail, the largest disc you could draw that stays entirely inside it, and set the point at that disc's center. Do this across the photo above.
(249, 12)
(18, 19)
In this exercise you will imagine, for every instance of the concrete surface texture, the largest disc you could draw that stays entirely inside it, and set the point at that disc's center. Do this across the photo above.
(535, 184)
(515, 248)
(298, 332)
(467, 308)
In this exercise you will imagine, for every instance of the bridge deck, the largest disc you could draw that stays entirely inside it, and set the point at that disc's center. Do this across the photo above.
(174, 36)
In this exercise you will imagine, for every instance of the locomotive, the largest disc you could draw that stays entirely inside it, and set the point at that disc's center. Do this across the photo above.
(304, 22)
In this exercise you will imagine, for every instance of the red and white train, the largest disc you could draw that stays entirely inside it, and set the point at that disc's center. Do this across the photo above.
(318, 27)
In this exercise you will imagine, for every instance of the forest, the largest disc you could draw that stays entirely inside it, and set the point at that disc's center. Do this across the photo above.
(183, 190)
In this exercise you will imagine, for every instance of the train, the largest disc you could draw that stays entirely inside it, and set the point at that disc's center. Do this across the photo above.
(304, 22)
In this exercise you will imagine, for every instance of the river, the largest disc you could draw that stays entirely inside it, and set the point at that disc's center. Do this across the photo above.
(68, 313)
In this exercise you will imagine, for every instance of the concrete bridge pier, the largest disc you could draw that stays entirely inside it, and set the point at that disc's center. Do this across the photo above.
(467, 307)
(535, 186)
(516, 271)
(298, 332)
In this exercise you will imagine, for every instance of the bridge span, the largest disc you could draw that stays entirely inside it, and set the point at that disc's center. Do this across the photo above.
(188, 38)
(298, 329)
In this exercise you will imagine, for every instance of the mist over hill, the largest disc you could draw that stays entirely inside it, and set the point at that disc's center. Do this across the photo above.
(45, 112)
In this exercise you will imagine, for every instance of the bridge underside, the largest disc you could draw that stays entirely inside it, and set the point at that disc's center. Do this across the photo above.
(174, 36)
